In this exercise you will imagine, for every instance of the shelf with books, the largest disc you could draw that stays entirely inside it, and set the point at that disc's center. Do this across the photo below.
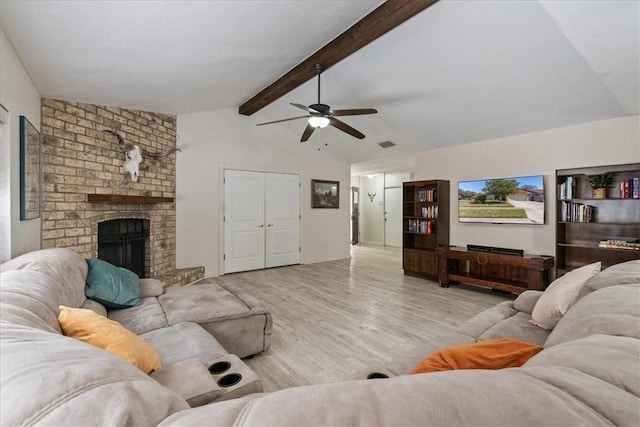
(584, 223)
(596, 246)
(425, 225)
(421, 226)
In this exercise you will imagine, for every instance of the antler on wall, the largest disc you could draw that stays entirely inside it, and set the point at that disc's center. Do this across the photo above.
(163, 154)
(133, 155)
(124, 146)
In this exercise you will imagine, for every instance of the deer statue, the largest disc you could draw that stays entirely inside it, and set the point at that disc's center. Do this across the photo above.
(133, 155)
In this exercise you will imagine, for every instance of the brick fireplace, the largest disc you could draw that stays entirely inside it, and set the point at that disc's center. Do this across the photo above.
(80, 160)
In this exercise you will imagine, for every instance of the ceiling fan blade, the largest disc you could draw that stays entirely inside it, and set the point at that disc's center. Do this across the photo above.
(307, 133)
(345, 128)
(354, 112)
(304, 107)
(283, 120)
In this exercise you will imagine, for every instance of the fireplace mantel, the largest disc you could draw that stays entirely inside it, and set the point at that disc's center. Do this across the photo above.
(123, 198)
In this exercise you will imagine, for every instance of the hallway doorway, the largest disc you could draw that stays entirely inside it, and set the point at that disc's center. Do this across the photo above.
(379, 220)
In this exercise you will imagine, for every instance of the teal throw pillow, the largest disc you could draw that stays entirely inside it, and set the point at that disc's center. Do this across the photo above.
(111, 286)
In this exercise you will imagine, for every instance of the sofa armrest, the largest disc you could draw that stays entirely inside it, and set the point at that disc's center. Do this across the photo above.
(151, 288)
(526, 301)
(191, 380)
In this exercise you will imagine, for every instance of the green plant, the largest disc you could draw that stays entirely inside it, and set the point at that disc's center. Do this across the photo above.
(601, 181)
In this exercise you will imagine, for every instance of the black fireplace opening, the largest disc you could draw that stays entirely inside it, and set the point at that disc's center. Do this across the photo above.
(122, 242)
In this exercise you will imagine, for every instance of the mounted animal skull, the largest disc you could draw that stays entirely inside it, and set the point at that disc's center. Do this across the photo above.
(133, 155)
(132, 162)
(371, 196)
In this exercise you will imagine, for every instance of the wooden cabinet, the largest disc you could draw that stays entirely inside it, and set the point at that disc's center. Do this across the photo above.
(425, 225)
(585, 223)
(510, 273)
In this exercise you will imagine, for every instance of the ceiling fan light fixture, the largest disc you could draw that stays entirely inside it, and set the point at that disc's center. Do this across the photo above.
(318, 122)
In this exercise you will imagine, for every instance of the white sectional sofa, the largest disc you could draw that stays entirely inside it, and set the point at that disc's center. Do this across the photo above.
(587, 374)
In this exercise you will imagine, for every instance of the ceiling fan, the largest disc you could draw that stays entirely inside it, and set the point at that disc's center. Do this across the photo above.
(321, 115)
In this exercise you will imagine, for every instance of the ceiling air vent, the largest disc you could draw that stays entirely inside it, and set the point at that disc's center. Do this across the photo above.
(386, 144)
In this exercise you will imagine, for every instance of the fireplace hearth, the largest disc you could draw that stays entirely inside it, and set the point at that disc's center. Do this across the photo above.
(123, 242)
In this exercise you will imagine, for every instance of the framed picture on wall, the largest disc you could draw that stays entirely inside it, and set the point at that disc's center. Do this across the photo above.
(29, 170)
(325, 194)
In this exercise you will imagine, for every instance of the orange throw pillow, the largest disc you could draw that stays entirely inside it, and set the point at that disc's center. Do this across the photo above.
(109, 335)
(490, 354)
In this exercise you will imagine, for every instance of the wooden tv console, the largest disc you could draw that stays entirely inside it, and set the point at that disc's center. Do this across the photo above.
(510, 273)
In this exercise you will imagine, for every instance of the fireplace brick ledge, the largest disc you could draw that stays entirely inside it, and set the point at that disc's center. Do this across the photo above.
(181, 276)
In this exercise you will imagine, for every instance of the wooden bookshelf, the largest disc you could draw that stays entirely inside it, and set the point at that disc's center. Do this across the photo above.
(578, 236)
(425, 226)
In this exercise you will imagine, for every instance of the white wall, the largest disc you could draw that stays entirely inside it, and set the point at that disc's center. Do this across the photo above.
(371, 225)
(393, 207)
(212, 139)
(20, 97)
(607, 142)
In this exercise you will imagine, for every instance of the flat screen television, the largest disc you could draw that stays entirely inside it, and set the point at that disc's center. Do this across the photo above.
(514, 200)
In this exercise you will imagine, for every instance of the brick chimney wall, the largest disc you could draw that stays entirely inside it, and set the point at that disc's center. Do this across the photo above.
(78, 159)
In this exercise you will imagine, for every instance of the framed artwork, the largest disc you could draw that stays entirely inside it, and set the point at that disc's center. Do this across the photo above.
(325, 194)
(29, 170)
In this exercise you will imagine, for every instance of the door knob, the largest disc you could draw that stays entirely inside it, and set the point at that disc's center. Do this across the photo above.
(269, 225)
(260, 225)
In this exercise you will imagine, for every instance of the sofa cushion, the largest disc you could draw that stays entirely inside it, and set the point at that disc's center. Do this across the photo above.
(201, 303)
(111, 286)
(20, 315)
(517, 326)
(50, 379)
(33, 292)
(145, 317)
(94, 306)
(240, 322)
(65, 270)
(534, 396)
(560, 295)
(88, 326)
(407, 360)
(610, 311)
(185, 340)
(490, 354)
(595, 355)
(486, 319)
(527, 300)
(618, 274)
(151, 288)
(503, 321)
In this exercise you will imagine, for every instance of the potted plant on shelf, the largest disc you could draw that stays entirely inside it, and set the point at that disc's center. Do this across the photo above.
(600, 183)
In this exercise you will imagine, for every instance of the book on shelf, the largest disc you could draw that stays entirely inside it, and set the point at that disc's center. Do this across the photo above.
(567, 189)
(429, 212)
(430, 195)
(620, 242)
(576, 212)
(629, 188)
(421, 226)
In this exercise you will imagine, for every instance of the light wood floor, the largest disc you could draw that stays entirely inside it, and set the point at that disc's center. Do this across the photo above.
(334, 318)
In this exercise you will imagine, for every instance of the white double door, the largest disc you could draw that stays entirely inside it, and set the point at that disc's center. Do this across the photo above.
(261, 220)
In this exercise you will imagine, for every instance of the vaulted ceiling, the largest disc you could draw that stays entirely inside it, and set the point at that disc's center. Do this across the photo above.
(459, 71)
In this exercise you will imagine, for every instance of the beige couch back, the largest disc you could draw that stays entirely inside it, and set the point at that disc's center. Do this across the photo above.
(50, 379)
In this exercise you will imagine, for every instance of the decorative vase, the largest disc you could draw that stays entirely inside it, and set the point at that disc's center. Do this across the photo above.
(599, 193)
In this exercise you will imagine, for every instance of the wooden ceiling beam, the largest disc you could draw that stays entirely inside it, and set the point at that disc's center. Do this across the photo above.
(384, 18)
